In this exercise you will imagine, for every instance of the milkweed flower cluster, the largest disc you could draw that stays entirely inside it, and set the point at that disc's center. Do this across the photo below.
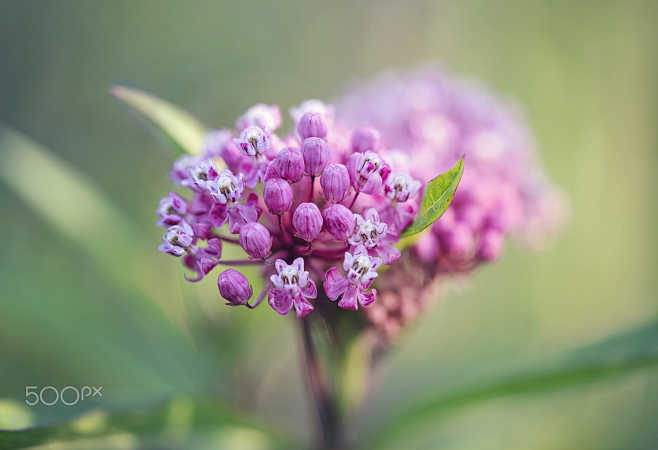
(428, 119)
(320, 208)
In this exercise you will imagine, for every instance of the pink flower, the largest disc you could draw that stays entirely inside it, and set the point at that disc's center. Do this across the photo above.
(374, 235)
(292, 287)
(367, 171)
(361, 271)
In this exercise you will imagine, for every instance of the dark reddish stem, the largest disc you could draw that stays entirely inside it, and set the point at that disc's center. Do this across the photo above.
(284, 234)
(330, 253)
(356, 195)
(311, 189)
(261, 296)
(327, 412)
(242, 262)
(227, 239)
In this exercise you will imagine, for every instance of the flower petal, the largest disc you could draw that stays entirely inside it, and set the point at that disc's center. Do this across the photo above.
(334, 283)
(366, 298)
(279, 301)
(310, 290)
(349, 298)
(218, 214)
(302, 306)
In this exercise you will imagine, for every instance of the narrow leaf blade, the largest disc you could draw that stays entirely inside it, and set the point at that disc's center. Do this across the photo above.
(615, 356)
(178, 127)
(436, 198)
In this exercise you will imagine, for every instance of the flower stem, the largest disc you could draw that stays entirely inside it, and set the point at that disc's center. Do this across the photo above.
(227, 239)
(311, 189)
(242, 262)
(354, 199)
(329, 424)
(260, 297)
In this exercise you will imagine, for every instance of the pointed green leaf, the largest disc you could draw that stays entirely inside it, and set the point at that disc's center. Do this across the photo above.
(614, 356)
(178, 127)
(436, 198)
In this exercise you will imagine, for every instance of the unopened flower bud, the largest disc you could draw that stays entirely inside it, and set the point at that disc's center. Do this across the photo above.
(256, 240)
(234, 287)
(307, 221)
(315, 154)
(335, 182)
(277, 195)
(491, 245)
(312, 125)
(289, 164)
(459, 241)
(365, 139)
(339, 221)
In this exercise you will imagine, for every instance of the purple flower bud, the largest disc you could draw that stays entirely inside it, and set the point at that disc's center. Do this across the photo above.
(459, 241)
(289, 164)
(255, 239)
(307, 221)
(312, 125)
(234, 287)
(365, 139)
(277, 195)
(335, 182)
(491, 245)
(339, 221)
(315, 154)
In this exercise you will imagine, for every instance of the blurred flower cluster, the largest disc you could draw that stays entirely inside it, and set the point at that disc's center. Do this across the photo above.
(321, 209)
(427, 119)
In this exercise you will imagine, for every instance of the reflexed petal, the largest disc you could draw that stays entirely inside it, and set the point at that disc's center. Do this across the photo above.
(349, 298)
(366, 298)
(302, 306)
(334, 283)
(279, 301)
(310, 291)
(218, 214)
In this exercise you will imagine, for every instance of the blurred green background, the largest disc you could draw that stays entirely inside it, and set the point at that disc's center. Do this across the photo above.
(86, 299)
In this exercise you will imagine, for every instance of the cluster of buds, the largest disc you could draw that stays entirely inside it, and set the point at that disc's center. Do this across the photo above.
(428, 119)
(321, 208)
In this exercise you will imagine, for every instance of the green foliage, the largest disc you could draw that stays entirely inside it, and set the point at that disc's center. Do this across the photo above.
(178, 127)
(612, 357)
(436, 198)
(173, 421)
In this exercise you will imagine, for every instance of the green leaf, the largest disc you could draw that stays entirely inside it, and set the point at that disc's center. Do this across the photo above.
(612, 357)
(436, 198)
(172, 422)
(178, 127)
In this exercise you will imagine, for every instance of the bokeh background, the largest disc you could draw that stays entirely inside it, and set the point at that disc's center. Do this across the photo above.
(86, 299)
